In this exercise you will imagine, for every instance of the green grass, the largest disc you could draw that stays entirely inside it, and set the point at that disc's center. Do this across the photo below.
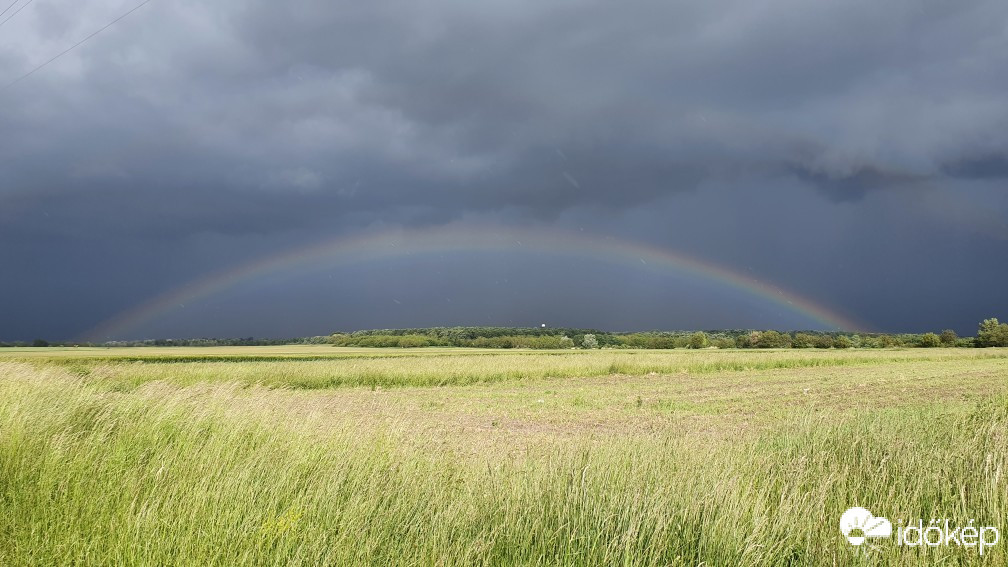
(580, 458)
(321, 367)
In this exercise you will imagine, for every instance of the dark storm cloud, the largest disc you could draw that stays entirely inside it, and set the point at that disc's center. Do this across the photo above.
(855, 184)
(980, 167)
(191, 119)
(344, 105)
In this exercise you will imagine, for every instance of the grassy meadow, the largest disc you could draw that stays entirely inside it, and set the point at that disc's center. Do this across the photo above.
(314, 455)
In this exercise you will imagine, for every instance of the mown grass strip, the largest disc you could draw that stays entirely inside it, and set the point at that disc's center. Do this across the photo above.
(473, 369)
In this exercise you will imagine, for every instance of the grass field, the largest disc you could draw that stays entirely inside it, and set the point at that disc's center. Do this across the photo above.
(312, 455)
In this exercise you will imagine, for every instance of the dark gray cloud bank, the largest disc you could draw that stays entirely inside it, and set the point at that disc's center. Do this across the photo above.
(855, 152)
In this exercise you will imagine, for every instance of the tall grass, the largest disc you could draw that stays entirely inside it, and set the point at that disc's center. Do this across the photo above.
(223, 473)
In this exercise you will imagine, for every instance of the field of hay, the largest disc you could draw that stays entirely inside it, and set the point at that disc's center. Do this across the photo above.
(309, 455)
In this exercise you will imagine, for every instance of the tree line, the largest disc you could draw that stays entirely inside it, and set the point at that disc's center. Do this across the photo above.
(990, 333)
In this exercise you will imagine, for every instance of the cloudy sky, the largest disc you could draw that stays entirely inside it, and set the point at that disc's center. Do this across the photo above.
(853, 154)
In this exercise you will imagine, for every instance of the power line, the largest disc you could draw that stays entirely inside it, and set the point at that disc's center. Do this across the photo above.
(9, 7)
(72, 47)
(16, 12)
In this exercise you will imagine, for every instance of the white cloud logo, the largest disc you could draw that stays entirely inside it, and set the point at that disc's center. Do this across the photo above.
(857, 524)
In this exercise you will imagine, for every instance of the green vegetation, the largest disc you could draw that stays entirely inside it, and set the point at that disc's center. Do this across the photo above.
(991, 333)
(554, 338)
(948, 338)
(320, 367)
(699, 340)
(219, 456)
(929, 340)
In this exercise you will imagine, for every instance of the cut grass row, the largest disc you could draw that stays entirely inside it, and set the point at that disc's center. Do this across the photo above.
(465, 368)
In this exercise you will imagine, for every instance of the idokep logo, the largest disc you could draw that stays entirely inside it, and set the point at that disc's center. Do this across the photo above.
(859, 525)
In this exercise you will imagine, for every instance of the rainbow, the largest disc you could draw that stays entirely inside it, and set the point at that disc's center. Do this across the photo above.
(467, 238)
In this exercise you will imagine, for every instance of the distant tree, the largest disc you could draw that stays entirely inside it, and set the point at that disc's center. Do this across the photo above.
(802, 340)
(869, 342)
(589, 341)
(929, 340)
(887, 341)
(699, 340)
(773, 339)
(723, 342)
(823, 341)
(40, 343)
(662, 341)
(566, 342)
(992, 333)
(948, 338)
(841, 342)
(747, 340)
(987, 327)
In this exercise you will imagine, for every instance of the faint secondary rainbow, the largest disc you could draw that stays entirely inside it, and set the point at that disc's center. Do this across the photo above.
(399, 243)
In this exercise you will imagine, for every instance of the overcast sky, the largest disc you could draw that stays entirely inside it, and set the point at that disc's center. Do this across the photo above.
(854, 153)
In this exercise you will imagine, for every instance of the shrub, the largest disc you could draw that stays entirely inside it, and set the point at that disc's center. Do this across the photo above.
(948, 337)
(413, 341)
(773, 339)
(888, 341)
(929, 340)
(723, 342)
(699, 340)
(841, 342)
(589, 341)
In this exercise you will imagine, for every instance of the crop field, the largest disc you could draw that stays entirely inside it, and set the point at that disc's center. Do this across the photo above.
(314, 455)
